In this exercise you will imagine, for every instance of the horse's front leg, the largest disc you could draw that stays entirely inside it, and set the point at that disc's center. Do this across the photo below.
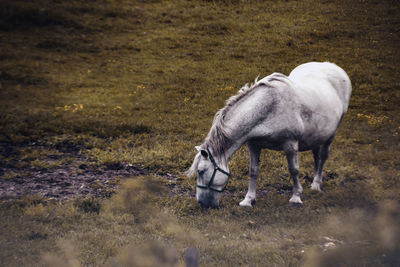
(291, 150)
(254, 162)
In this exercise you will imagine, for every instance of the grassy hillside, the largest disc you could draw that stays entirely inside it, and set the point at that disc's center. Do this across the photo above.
(92, 93)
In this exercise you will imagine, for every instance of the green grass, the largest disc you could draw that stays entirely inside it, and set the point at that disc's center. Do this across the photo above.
(138, 82)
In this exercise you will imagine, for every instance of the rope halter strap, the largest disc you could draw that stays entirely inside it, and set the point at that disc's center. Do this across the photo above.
(216, 168)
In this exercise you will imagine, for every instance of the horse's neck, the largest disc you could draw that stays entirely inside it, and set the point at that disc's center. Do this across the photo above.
(230, 151)
(249, 112)
(239, 124)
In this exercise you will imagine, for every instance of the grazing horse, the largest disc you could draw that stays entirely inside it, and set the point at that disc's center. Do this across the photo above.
(292, 113)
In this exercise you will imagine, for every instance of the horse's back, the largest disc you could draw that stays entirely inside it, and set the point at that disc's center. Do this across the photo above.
(323, 77)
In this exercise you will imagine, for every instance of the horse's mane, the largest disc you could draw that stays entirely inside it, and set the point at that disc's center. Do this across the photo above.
(218, 138)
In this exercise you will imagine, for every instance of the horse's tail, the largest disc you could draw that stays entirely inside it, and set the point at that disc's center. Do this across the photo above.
(342, 84)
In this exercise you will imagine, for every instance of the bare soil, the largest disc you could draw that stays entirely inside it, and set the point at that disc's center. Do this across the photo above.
(67, 180)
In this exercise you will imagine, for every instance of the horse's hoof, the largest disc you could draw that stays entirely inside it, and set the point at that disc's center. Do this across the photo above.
(247, 203)
(295, 200)
(316, 187)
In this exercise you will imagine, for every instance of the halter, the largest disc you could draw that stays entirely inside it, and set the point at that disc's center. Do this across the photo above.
(216, 168)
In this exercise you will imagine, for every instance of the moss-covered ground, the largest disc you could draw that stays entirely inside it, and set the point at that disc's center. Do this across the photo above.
(97, 87)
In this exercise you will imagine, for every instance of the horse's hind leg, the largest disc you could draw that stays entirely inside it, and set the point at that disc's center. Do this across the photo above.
(320, 155)
(254, 151)
(291, 150)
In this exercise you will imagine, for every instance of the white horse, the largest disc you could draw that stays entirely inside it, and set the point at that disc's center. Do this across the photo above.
(292, 113)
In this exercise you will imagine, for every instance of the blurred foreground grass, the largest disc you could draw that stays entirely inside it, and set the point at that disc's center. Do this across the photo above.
(139, 226)
(138, 82)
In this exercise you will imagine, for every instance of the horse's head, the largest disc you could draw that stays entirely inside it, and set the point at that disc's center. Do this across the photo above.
(212, 177)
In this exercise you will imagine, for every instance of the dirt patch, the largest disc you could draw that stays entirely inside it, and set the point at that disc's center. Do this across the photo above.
(63, 183)
(68, 180)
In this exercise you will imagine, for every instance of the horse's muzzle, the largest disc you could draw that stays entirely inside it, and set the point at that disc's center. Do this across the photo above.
(207, 200)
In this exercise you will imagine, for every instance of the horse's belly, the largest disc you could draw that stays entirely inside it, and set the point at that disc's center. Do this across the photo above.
(317, 134)
(308, 134)
(278, 143)
(312, 142)
(269, 143)
(274, 139)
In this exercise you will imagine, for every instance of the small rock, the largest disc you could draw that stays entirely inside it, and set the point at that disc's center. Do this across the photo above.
(329, 245)
(330, 239)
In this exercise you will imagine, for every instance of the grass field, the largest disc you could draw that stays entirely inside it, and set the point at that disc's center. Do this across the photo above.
(116, 94)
